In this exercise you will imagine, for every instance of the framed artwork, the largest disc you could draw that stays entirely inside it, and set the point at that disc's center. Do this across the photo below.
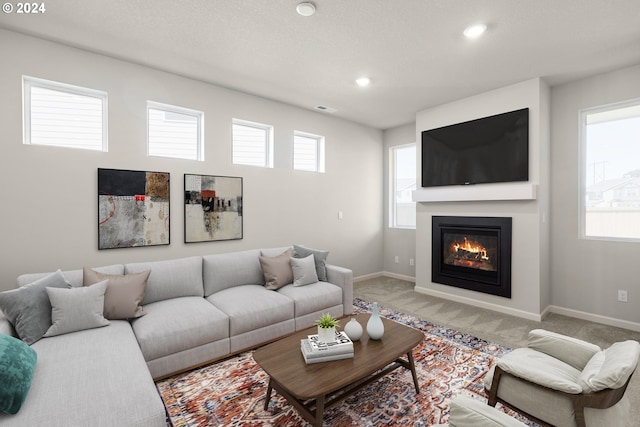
(133, 208)
(212, 208)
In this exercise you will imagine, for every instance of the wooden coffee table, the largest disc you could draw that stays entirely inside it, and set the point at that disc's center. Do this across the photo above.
(314, 387)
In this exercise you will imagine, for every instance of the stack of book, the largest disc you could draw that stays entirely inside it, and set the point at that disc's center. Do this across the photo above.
(315, 351)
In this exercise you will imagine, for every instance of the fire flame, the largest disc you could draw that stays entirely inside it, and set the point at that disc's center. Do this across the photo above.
(475, 248)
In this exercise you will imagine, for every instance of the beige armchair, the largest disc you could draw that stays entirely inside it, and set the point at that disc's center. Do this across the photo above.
(562, 381)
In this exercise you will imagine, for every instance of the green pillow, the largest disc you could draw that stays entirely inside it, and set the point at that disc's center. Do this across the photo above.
(17, 362)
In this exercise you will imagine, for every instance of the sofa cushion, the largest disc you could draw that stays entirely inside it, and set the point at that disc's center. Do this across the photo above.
(168, 279)
(17, 362)
(610, 368)
(178, 324)
(312, 298)
(96, 377)
(124, 294)
(76, 309)
(570, 350)
(251, 307)
(304, 271)
(466, 411)
(28, 307)
(222, 271)
(277, 270)
(320, 258)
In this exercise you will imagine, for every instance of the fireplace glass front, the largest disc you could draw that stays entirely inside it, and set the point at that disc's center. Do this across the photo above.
(473, 253)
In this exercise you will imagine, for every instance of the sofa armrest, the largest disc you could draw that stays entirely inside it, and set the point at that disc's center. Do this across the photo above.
(6, 327)
(571, 351)
(466, 411)
(342, 277)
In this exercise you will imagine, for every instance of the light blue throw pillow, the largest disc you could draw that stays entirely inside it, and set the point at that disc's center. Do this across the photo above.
(320, 259)
(17, 363)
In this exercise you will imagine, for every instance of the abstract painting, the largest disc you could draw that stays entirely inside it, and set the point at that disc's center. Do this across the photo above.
(212, 208)
(133, 208)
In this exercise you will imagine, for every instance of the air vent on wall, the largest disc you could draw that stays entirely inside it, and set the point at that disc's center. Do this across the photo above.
(325, 109)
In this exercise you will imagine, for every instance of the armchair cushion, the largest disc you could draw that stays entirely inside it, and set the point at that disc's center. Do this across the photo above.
(541, 369)
(570, 350)
(469, 412)
(610, 368)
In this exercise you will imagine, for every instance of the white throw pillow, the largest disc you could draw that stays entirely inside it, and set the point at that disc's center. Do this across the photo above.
(76, 309)
(304, 270)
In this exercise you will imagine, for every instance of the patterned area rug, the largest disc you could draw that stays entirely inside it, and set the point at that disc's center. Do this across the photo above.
(231, 392)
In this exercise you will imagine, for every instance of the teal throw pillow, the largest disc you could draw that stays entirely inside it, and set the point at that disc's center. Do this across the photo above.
(17, 362)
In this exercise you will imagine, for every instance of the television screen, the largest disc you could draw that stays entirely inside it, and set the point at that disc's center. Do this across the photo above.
(489, 149)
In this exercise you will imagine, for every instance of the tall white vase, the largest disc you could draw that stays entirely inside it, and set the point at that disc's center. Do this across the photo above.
(375, 328)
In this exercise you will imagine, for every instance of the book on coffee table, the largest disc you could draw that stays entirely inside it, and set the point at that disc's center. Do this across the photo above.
(328, 358)
(341, 341)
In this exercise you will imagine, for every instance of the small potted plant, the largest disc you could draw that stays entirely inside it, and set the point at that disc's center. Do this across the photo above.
(327, 327)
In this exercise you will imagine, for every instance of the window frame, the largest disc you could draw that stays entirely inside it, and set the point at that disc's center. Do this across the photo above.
(269, 151)
(29, 82)
(319, 151)
(392, 186)
(583, 168)
(168, 108)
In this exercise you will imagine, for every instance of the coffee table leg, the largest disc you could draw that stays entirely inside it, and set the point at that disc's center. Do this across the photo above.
(268, 396)
(319, 410)
(413, 371)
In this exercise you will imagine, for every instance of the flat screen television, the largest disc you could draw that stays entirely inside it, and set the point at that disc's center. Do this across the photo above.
(485, 150)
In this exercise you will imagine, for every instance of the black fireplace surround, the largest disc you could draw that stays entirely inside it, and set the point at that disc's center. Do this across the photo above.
(472, 253)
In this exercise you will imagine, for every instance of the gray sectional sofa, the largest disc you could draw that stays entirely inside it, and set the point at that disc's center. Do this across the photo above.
(198, 309)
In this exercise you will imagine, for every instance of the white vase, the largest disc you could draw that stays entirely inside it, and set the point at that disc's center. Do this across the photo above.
(353, 329)
(375, 328)
(326, 334)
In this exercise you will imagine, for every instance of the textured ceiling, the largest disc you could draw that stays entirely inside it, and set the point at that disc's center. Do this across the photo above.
(413, 50)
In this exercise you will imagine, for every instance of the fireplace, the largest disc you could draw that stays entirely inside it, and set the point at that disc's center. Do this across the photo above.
(472, 253)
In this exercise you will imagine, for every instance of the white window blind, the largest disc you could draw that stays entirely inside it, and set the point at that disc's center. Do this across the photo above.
(308, 152)
(174, 132)
(252, 143)
(62, 115)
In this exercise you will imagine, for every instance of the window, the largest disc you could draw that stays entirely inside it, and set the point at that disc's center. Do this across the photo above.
(252, 144)
(62, 115)
(308, 152)
(402, 171)
(174, 132)
(610, 159)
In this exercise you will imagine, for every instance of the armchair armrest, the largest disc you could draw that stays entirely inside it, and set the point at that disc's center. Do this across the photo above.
(342, 277)
(571, 351)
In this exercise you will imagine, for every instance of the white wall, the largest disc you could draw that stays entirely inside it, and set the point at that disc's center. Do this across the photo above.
(49, 199)
(530, 287)
(400, 242)
(586, 274)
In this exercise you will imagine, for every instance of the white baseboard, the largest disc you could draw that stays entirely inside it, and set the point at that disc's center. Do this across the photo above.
(482, 304)
(399, 276)
(385, 274)
(605, 320)
(368, 276)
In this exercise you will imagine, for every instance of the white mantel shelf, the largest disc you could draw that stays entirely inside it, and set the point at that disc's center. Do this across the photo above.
(480, 192)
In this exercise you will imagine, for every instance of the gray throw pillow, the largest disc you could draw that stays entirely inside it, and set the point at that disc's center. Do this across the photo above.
(28, 307)
(304, 271)
(124, 292)
(277, 270)
(77, 309)
(320, 258)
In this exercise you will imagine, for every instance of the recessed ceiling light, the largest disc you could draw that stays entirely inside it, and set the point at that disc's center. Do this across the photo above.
(306, 9)
(363, 81)
(475, 31)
